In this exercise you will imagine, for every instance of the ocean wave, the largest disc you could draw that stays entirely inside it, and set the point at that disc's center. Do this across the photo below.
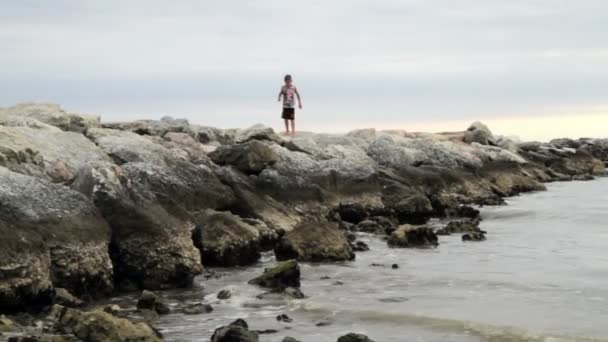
(487, 332)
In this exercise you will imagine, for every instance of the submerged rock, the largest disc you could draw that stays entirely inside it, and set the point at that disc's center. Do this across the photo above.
(237, 331)
(460, 226)
(283, 275)
(150, 301)
(197, 309)
(352, 337)
(316, 241)
(474, 236)
(413, 236)
(224, 294)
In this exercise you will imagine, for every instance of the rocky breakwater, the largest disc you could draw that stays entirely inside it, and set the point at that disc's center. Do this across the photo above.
(93, 208)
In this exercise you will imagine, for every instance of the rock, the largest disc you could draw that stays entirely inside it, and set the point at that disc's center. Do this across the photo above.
(294, 292)
(151, 248)
(97, 325)
(7, 325)
(251, 157)
(315, 242)
(290, 339)
(197, 309)
(225, 239)
(369, 226)
(112, 309)
(51, 236)
(460, 226)
(479, 133)
(352, 337)
(53, 155)
(235, 331)
(323, 323)
(388, 152)
(284, 318)
(413, 236)
(282, 275)
(150, 301)
(257, 132)
(224, 294)
(65, 298)
(152, 127)
(352, 212)
(475, 236)
(394, 266)
(359, 246)
(408, 205)
(53, 114)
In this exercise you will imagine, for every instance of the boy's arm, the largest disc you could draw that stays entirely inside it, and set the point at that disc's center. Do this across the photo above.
(298, 96)
(280, 93)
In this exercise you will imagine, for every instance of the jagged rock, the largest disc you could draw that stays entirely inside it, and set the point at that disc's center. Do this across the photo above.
(352, 337)
(479, 133)
(251, 157)
(52, 114)
(97, 325)
(359, 246)
(460, 226)
(49, 233)
(150, 247)
(151, 127)
(65, 298)
(316, 241)
(282, 275)
(224, 294)
(413, 236)
(150, 301)
(197, 309)
(257, 132)
(7, 325)
(225, 239)
(352, 212)
(474, 236)
(235, 331)
(48, 154)
(408, 204)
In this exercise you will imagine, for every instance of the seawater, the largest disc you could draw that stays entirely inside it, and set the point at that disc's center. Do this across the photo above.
(542, 275)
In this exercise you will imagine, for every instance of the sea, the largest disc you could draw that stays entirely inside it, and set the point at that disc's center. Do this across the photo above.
(541, 275)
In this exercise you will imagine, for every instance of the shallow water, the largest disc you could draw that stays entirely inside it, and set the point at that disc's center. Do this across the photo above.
(542, 275)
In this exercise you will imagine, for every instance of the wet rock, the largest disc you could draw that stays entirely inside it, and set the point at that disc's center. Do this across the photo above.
(359, 246)
(224, 294)
(97, 325)
(394, 266)
(294, 292)
(352, 337)
(225, 239)
(151, 248)
(251, 157)
(387, 225)
(112, 309)
(197, 309)
(409, 205)
(322, 241)
(284, 318)
(475, 236)
(369, 226)
(323, 323)
(413, 236)
(352, 212)
(65, 298)
(282, 275)
(235, 331)
(290, 339)
(51, 235)
(7, 325)
(459, 226)
(150, 301)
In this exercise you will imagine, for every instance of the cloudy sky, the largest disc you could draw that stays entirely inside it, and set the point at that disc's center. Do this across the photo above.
(535, 68)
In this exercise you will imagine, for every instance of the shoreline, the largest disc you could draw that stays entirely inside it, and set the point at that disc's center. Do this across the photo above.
(103, 208)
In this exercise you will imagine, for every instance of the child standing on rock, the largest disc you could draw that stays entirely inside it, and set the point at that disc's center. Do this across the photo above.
(289, 92)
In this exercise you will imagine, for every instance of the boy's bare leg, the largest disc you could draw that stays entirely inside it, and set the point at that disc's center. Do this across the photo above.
(286, 126)
(293, 127)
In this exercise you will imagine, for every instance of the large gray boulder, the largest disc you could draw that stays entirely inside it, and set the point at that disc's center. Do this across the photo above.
(251, 157)
(479, 133)
(225, 239)
(51, 114)
(51, 236)
(51, 154)
(315, 241)
(151, 248)
(257, 132)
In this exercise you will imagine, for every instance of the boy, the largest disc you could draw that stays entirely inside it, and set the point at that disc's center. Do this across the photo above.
(289, 92)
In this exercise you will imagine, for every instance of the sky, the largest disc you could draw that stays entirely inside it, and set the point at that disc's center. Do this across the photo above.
(533, 68)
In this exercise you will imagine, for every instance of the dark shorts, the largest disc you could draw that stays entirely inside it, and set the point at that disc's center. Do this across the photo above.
(289, 114)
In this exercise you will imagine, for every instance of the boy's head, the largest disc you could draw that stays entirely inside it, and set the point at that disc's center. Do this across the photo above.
(288, 79)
